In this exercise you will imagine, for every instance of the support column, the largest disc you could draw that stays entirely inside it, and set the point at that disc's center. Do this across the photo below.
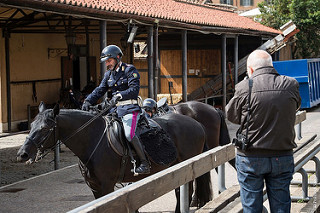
(150, 63)
(87, 51)
(184, 65)
(7, 55)
(103, 44)
(236, 59)
(156, 59)
(224, 70)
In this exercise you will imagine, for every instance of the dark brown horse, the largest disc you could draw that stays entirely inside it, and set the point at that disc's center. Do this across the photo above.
(211, 118)
(213, 121)
(103, 163)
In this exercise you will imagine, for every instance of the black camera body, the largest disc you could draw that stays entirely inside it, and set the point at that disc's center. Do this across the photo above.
(240, 142)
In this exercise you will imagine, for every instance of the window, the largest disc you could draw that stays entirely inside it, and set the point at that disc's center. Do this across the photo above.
(140, 50)
(230, 2)
(246, 2)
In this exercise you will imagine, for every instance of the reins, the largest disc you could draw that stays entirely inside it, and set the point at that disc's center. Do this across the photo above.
(86, 124)
(53, 129)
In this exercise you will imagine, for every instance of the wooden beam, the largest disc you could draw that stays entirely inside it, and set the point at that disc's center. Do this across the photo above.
(224, 69)
(150, 63)
(134, 196)
(221, 201)
(300, 116)
(184, 47)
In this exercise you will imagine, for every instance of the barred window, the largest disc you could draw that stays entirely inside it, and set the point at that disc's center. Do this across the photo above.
(246, 2)
(229, 2)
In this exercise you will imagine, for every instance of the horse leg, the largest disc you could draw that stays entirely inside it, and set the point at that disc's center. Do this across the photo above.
(190, 192)
(203, 192)
(177, 191)
(97, 194)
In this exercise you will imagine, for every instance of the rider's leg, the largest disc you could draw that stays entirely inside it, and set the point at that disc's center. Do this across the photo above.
(130, 122)
(144, 167)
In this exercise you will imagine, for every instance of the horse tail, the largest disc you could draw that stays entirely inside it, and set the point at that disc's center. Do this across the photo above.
(224, 138)
(203, 192)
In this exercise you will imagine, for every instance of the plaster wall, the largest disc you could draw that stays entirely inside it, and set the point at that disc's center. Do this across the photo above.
(32, 73)
(35, 70)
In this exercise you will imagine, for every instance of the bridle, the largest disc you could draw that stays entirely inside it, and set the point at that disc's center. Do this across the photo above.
(40, 145)
(42, 142)
(40, 154)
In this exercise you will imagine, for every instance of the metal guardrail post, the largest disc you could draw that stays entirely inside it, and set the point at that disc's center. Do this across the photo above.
(56, 151)
(221, 178)
(317, 167)
(298, 130)
(184, 198)
(57, 156)
(304, 186)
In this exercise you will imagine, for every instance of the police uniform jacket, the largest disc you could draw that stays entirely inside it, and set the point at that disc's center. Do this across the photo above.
(126, 81)
(274, 101)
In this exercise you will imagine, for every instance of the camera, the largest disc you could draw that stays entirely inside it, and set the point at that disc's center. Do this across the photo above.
(240, 142)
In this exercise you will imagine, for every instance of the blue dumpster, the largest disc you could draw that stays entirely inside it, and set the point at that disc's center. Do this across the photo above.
(307, 73)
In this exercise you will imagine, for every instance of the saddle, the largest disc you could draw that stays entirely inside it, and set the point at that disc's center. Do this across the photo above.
(163, 107)
(158, 145)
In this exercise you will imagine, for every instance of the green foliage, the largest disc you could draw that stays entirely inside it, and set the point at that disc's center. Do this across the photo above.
(305, 14)
(274, 14)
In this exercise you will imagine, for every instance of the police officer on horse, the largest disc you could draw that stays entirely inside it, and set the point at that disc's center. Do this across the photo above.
(123, 81)
(150, 106)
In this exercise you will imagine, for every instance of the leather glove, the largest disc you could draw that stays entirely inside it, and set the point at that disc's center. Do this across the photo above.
(86, 105)
(114, 100)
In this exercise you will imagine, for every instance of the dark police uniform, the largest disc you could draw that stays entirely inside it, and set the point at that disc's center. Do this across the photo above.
(126, 81)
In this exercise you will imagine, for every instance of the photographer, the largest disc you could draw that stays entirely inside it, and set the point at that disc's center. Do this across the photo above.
(267, 133)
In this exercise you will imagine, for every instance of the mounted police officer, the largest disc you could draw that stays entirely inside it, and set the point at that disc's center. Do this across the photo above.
(123, 80)
(150, 106)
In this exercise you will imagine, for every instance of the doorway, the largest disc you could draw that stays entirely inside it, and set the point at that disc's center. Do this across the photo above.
(79, 70)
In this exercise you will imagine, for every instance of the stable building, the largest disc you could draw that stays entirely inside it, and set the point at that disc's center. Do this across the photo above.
(50, 46)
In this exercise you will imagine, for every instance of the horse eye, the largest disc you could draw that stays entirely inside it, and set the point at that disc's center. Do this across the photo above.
(44, 128)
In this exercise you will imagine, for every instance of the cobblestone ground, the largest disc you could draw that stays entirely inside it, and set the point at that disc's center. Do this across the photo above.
(12, 171)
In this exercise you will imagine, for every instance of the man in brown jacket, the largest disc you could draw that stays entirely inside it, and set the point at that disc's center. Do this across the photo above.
(268, 155)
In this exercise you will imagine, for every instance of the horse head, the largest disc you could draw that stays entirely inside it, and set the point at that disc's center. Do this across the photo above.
(41, 134)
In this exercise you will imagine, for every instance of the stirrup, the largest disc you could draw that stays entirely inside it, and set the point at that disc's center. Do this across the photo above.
(145, 169)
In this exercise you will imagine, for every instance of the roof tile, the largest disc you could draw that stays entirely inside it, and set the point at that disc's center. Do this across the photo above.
(174, 10)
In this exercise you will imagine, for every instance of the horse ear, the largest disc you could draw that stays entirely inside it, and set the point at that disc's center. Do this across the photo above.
(42, 107)
(56, 110)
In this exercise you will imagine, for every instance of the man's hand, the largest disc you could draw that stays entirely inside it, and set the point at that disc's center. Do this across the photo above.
(114, 100)
(86, 105)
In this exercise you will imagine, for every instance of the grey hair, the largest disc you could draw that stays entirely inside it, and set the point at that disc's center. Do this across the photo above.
(259, 58)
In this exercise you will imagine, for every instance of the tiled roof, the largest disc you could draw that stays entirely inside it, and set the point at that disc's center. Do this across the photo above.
(169, 10)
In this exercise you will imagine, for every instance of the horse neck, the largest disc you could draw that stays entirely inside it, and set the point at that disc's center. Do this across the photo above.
(80, 142)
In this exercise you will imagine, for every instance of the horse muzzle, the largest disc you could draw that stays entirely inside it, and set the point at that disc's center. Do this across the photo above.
(24, 155)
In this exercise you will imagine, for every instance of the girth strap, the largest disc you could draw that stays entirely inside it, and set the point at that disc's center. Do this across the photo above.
(126, 150)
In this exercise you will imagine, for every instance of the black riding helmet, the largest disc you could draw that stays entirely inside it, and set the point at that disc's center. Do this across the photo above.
(149, 104)
(111, 51)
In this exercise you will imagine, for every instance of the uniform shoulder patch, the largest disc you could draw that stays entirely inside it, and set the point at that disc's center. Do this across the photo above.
(135, 75)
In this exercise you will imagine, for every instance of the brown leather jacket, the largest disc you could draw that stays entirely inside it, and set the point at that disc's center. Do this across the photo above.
(274, 101)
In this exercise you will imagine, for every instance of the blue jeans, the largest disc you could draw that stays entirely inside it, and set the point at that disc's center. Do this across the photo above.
(275, 171)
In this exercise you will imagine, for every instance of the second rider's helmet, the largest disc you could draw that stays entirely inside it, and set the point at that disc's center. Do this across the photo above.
(111, 51)
(149, 104)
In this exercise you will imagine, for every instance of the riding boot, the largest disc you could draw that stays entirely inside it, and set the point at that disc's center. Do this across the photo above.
(144, 167)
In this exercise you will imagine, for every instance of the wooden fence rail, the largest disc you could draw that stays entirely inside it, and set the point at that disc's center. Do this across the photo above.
(134, 196)
(138, 194)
